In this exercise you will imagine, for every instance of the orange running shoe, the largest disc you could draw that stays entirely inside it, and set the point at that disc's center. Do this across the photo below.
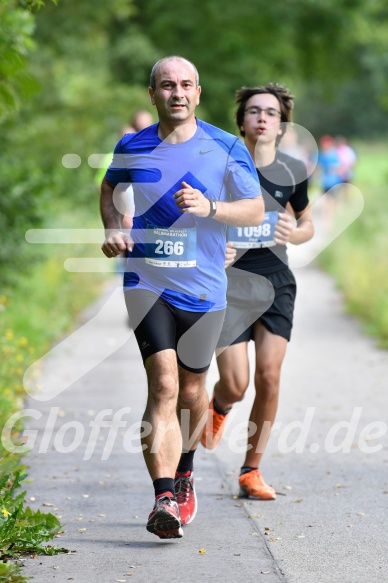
(253, 486)
(214, 427)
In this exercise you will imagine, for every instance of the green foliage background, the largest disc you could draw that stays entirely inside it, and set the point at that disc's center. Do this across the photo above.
(72, 74)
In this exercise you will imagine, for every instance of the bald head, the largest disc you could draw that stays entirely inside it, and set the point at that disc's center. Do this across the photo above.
(158, 64)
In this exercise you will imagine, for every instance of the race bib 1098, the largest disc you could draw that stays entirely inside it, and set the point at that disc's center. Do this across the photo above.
(255, 237)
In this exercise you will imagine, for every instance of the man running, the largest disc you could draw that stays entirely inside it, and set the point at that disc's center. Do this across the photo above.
(261, 270)
(189, 179)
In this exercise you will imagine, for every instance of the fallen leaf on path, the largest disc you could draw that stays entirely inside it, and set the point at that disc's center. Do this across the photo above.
(265, 572)
(298, 500)
(47, 504)
(202, 551)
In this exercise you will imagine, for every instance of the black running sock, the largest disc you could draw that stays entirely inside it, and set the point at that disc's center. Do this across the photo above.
(218, 409)
(246, 469)
(186, 463)
(162, 485)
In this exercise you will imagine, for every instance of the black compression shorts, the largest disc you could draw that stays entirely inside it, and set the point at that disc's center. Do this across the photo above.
(158, 325)
(251, 298)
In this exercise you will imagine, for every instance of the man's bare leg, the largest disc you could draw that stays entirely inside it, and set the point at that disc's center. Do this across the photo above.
(270, 352)
(193, 405)
(163, 445)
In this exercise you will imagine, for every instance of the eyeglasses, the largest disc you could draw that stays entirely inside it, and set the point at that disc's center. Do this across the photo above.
(269, 111)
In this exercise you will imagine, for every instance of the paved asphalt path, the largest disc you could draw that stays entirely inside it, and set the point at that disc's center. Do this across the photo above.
(329, 522)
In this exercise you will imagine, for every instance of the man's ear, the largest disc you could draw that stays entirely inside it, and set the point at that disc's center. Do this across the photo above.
(198, 94)
(151, 94)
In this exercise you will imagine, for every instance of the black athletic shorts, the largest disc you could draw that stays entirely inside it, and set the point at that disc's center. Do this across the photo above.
(158, 325)
(268, 299)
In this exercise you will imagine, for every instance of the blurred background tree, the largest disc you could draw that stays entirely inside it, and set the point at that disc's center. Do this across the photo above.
(73, 73)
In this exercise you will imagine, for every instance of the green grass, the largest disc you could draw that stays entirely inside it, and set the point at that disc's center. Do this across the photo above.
(36, 311)
(23, 530)
(358, 259)
(11, 573)
(372, 165)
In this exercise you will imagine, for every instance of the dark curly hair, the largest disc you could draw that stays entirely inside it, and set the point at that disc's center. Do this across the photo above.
(282, 94)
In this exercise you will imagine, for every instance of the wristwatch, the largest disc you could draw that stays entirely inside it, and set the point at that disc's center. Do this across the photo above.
(213, 208)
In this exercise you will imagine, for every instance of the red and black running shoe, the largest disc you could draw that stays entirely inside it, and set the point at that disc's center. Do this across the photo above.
(164, 520)
(185, 496)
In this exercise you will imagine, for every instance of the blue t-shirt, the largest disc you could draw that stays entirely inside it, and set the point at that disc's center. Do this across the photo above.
(330, 168)
(180, 256)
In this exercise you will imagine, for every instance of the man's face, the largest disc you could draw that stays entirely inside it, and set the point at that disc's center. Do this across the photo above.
(176, 94)
(262, 118)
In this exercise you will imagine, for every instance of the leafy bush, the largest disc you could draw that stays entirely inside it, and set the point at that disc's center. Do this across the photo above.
(10, 573)
(23, 530)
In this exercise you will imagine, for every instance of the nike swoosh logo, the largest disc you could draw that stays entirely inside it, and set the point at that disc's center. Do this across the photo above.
(206, 151)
